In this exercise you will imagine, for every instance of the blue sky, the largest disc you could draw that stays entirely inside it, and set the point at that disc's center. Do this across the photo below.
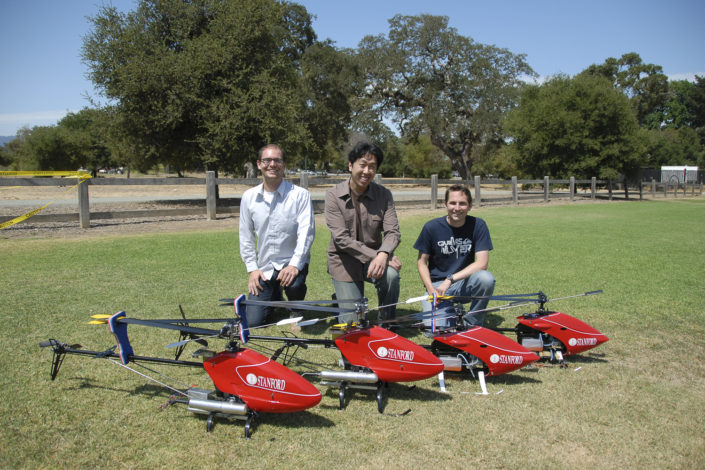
(42, 76)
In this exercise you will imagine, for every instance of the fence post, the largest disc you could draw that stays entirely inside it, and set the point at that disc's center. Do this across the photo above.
(84, 213)
(641, 190)
(478, 195)
(546, 188)
(515, 193)
(434, 192)
(593, 187)
(665, 190)
(653, 188)
(211, 184)
(572, 188)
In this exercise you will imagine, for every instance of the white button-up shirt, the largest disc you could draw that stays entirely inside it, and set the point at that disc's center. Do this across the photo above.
(282, 223)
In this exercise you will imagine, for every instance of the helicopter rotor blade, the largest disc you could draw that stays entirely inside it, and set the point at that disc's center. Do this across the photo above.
(186, 341)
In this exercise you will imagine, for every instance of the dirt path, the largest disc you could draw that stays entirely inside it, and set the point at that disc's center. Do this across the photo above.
(164, 224)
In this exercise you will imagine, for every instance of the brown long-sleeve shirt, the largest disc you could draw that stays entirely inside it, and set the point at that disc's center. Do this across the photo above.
(349, 250)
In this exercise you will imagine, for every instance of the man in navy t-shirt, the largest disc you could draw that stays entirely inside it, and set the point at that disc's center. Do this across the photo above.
(454, 252)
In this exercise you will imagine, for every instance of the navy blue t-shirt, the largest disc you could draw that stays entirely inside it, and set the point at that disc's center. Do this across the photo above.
(451, 249)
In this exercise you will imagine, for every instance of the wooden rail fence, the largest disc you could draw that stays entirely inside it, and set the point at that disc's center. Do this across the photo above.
(495, 191)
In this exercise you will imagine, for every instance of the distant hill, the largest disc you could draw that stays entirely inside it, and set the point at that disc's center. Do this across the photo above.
(5, 139)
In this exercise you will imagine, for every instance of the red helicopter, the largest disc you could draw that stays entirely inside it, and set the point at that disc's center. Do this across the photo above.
(485, 352)
(557, 333)
(480, 351)
(246, 382)
(372, 357)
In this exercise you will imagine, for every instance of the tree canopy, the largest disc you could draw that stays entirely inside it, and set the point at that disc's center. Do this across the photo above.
(207, 82)
(202, 84)
(644, 84)
(428, 78)
(578, 126)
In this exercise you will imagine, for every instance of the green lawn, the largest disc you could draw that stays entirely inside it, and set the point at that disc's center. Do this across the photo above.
(637, 401)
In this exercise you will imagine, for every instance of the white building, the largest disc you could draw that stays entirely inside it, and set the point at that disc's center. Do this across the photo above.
(684, 174)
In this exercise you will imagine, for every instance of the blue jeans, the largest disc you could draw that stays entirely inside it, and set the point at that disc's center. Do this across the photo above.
(272, 290)
(387, 288)
(480, 283)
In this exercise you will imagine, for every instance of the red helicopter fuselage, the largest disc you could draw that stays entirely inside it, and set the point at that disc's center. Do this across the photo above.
(391, 357)
(262, 384)
(574, 335)
(499, 354)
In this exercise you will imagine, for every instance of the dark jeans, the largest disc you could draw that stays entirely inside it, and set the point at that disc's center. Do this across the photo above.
(387, 288)
(272, 290)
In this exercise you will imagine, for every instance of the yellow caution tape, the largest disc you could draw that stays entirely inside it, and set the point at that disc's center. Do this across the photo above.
(83, 176)
(74, 174)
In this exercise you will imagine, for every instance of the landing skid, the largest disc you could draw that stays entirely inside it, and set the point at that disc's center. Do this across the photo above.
(343, 386)
(249, 419)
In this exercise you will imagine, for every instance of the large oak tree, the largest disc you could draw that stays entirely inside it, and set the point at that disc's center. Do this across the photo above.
(579, 126)
(429, 79)
(207, 82)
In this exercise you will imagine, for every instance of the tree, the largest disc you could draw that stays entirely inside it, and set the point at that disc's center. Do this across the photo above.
(671, 146)
(423, 159)
(84, 138)
(645, 84)
(428, 78)
(47, 148)
(330, 83)
(578, 126)
(208, 82)
(77, 141)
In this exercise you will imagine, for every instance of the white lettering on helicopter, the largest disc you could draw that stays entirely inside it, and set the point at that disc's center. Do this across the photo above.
(505, 359)
(266, 382)
(582, 341)
(397, 354)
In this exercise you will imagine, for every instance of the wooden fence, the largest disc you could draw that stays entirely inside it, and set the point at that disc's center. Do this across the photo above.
(485, 192)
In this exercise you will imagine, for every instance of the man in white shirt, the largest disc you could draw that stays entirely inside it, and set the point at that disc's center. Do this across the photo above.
(277, 229)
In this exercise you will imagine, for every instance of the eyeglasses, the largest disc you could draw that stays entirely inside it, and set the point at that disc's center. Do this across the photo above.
(269, 161)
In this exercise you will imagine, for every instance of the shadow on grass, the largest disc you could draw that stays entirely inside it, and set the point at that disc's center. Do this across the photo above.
(390, 393)
(148, 390)
(302, 419)
(587, 358)
(514, 378)
(299, 420)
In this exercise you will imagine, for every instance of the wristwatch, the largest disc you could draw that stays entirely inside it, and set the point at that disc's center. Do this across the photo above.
(450, 278)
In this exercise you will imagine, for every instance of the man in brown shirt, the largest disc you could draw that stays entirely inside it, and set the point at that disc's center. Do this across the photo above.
(364, 233)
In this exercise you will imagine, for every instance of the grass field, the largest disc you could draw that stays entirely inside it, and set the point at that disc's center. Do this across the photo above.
(637, 401)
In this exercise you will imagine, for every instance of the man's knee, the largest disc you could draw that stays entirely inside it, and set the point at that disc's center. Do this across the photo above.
(484, 280)
(296, 291)
(255, 315)
(391, 278)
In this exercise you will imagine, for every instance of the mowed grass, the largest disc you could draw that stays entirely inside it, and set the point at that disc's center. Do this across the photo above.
(637, 401)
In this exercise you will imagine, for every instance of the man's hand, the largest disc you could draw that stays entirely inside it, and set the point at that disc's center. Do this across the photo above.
(253, 284)
(395, 263)
(443, 287)
(287, 275)
(378, 266)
